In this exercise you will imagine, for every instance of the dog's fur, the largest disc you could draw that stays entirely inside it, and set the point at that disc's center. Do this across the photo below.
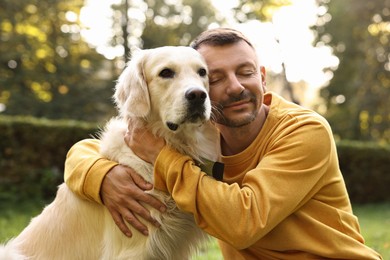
(166, 90)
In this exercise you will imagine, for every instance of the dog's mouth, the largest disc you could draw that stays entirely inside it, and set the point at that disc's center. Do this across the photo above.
(193, 118)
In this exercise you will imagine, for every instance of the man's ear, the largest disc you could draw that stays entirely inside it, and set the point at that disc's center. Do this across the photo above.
(131, 91)
(263, 78)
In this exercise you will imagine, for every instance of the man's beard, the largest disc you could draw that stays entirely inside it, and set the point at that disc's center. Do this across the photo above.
(219, 118)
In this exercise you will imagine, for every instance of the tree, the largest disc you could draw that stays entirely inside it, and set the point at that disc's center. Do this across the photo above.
(47, 70)
(177, 24)
(152, 23)
(358, 96)
(254, 9)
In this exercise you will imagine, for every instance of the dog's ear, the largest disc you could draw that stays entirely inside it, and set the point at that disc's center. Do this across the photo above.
(131, 91)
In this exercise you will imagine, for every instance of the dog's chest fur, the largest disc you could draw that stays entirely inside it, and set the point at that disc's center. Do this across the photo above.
(178, 235)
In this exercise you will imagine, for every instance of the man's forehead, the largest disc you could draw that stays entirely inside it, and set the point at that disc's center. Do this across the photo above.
(238, 55)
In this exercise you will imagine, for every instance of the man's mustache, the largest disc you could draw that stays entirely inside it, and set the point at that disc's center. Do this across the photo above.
(245, 95)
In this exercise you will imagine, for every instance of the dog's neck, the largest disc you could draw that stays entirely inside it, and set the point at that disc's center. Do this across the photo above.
(196, 141)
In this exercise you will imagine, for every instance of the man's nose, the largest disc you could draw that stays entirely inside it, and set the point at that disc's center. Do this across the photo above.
(234, 85)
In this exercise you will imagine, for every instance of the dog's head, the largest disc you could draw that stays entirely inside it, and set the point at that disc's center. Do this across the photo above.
(170, 83)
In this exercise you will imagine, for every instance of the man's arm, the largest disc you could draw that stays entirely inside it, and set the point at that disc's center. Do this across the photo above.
(119, 188)
(85, 169)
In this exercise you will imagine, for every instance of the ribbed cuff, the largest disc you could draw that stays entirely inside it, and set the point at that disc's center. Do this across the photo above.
(94, 179)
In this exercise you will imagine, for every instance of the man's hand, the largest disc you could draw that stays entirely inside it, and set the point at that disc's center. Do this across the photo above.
(122, 192)
(144, 143)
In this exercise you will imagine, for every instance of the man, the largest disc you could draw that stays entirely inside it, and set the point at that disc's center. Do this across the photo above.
(282, 195)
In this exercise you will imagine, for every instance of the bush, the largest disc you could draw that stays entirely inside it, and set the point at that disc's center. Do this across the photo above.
(32, 154)
(365, 167)
(33, 151)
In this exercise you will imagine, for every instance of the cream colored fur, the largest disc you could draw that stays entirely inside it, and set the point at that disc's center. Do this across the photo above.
(147, 93)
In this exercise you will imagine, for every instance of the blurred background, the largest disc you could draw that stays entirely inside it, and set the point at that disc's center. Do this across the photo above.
(59, 59)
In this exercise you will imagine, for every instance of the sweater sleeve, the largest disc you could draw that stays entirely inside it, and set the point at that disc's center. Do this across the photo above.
(85, 169)
(272, 189)
(199, 194)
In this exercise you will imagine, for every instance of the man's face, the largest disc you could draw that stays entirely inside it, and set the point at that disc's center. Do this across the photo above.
(236, 88)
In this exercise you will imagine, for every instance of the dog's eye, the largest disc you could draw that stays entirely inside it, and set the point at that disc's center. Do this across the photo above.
(167, 73)
(202, 72)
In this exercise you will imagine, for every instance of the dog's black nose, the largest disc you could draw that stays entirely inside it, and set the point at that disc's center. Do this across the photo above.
(196, 96)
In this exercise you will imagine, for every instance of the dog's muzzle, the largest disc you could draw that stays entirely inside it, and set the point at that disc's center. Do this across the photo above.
(196, 107)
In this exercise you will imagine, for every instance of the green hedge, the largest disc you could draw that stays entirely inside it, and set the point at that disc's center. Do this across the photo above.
(33, 151)
(32, 154)
(366, 170)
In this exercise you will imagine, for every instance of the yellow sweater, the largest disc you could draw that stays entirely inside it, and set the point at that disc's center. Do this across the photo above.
(282, 198)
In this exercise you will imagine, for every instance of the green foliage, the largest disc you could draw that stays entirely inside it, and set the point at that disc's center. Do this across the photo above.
(15, 217)
(46, 69)
(181, 23)
(161, 23)
(32, 154)
(357, 97)
(373, 220)
(255, 9)
(365, 167)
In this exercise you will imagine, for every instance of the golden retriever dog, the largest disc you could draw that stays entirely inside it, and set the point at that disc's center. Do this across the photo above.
(166, 90)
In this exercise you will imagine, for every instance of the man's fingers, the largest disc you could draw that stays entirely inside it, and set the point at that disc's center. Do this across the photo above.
(155, 203)
(133, 221)
(120, 223)
(148, 199)
(145, 214)
(144, 196)
(141, 182)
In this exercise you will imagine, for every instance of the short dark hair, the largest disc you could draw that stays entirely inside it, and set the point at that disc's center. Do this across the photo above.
(219, 37)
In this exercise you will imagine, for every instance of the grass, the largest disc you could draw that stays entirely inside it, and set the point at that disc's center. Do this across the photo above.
(15, 217)
(374, 222)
